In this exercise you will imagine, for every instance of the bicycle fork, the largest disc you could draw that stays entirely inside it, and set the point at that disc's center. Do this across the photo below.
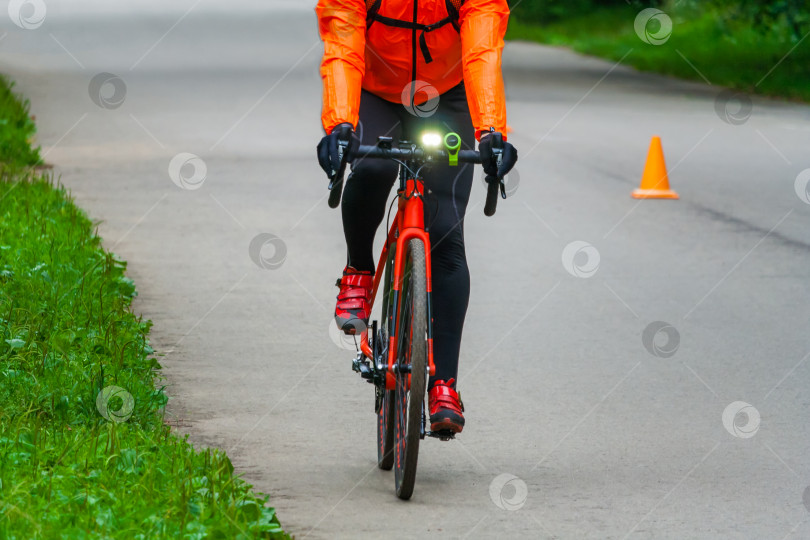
(410, 224)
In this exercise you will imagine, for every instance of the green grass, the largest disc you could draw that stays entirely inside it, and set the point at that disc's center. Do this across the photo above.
(16, 129)
(727, 52)
(66, 333)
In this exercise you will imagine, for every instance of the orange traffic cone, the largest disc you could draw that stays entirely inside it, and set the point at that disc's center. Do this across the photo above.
(654, 181)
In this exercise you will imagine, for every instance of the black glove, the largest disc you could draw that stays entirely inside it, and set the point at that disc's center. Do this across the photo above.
(488, 147)
(335, 150)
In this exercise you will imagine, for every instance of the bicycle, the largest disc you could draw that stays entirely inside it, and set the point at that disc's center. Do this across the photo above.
(397, 355)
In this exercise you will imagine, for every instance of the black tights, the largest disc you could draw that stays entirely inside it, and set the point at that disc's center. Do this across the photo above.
(365, 201)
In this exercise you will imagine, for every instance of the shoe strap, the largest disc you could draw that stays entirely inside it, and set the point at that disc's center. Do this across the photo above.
(444, 394)
(354, 292)
(352, 303)
(357, 280)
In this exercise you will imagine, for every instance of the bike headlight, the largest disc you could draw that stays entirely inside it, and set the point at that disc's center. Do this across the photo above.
(431, 140)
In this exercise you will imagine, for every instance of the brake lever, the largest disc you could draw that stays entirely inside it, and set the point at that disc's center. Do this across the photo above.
(344, 139)
(342, 149)
(498, 153)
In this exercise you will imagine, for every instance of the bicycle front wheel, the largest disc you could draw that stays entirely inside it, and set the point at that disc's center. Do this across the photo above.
(411, 367)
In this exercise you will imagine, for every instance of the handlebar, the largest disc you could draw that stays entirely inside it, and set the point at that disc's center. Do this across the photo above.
(418, 154)
(424, 155)
(492, 195)
(493, 182)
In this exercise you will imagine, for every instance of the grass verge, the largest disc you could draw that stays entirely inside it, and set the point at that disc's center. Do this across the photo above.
(84, 450)
(16, 128)
(724, 51)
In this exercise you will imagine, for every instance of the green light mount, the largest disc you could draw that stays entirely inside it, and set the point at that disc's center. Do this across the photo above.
(452, 142)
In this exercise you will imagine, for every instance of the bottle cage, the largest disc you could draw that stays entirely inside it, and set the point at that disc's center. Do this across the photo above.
(453, 7)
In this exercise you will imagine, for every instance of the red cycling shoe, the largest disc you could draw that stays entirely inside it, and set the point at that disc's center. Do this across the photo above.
(354, 300)
(445, 407)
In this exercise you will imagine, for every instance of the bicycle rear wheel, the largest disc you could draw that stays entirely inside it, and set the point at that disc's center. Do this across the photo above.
(411, 368)
(385, 404)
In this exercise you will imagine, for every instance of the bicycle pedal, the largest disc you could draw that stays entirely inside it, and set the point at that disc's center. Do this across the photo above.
(442, 435)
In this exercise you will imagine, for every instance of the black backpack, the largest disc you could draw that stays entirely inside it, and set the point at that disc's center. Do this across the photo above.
(453, 7)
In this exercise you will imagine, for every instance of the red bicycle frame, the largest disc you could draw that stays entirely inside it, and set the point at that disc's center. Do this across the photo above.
(409, 223)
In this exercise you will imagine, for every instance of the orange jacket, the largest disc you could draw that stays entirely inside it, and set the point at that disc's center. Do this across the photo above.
(383, 60)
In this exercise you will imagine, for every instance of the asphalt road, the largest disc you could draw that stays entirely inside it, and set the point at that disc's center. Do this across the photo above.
(605, 434)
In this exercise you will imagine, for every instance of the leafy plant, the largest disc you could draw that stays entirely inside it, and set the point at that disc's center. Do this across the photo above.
(546, 11)
(16, 129)
(784, 17)
(729, 52)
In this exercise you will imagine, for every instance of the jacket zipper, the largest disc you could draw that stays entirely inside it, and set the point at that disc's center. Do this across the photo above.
(413, 50)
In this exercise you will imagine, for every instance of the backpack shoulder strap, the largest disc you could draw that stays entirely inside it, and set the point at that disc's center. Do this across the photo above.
(453, 8)
(372, 7)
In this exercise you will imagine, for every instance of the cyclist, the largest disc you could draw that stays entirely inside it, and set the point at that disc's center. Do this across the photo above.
(399, 68)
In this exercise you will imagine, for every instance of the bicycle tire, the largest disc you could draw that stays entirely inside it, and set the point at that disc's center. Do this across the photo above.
(411, 349)
(385, 432)
(385, 414)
